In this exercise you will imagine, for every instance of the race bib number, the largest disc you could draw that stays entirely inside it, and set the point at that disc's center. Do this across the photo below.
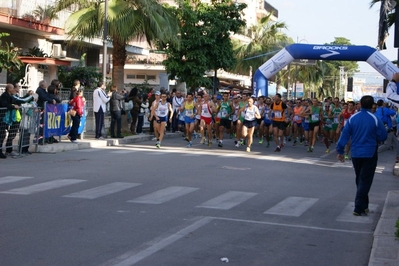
(315, 117)
(189, 112)
(328, 123)
(224, 113)
(162, 113)
(296, 118)
(278, 114)
(336, 120)
(205, 111)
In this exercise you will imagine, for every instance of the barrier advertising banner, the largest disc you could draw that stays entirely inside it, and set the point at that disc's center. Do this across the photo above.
(57, 121)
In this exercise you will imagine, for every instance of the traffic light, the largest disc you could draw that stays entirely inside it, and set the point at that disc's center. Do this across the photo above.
(350, 84)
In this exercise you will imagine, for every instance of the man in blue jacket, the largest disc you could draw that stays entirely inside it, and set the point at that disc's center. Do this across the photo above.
(365, 131)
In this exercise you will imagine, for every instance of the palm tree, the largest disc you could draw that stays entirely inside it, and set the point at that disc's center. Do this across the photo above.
(45, 14)
(127, 20)
(266, 38)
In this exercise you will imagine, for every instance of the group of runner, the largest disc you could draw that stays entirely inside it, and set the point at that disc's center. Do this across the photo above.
(242, 116)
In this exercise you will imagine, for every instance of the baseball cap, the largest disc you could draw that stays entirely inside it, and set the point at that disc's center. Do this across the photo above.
(219, 97)
(157, 93)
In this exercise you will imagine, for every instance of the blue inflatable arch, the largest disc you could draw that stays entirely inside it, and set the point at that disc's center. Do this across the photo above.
(320, 52)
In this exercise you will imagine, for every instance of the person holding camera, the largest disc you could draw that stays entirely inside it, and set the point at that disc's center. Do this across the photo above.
(116, 103)
(384, 113)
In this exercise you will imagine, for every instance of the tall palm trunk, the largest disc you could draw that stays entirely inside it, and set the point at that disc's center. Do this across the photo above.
(118, 64)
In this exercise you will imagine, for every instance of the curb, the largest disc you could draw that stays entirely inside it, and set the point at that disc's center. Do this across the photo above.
(66, 145)
(385, 249)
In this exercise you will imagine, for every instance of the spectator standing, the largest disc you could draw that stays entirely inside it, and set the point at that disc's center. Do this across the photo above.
(364, 130)
(43, 97)
(116, 109)
(77, 104)
(136, 109)
(100, 99)
(143, 110)
(8, 102)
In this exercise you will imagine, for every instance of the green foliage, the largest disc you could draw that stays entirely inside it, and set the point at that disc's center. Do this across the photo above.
(36, 52)
(8, 56)
(88, 76)
(397, 229)
(205, 42)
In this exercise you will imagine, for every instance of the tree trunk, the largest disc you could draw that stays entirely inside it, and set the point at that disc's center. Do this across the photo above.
(118, 64)
(118, 73)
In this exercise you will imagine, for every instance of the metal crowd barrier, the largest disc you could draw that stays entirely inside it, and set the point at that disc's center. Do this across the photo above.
(19, 132)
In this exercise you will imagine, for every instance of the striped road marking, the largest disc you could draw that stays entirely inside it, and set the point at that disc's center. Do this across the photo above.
(43, 186)
(123, 151)
(164, 195)
(292, 206)
(347, 214)
(227, 200)
(104, 190)
(10, 179)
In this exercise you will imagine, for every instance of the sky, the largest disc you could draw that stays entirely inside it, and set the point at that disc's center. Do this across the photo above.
(320, 21)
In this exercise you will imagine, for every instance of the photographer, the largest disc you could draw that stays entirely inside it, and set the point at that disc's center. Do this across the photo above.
(384, 113)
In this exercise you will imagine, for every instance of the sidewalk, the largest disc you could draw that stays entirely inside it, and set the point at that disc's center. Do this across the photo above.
(385, 248)
(90, 142)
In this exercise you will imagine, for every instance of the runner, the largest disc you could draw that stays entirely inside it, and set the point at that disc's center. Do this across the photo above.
(288, 119)
(336, 110)
(328, 132)
(267, 121)
(235, 107)
(297, 121)
(314, 113)
(346, 114)
(163, 109)
(305, 121)
(206, 109)
(278, 108)
(152, 118)
(189, 118)
(225, 110)
(251, 113)
(240, 139)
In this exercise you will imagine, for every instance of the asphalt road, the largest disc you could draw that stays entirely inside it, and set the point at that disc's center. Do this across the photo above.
(138, 205)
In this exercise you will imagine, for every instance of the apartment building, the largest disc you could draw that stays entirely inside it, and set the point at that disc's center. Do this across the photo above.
(142, 64)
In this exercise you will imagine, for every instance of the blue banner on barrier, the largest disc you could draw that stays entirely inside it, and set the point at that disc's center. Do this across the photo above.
(57, 122)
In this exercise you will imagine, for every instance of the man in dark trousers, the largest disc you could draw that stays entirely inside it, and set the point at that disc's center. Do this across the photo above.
(365, 131)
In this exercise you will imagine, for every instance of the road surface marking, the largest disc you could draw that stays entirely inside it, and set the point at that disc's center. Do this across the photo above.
(43, 186)
(164, 195)
(10, 179)
(227, 200)
(104, 190)
(292, 206)
(347, 214)
(133, 256)
(123, 151)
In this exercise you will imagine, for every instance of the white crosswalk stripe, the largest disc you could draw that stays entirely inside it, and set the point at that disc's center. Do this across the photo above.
(101, 191)
(164, 195)
(43, 186)
(347, 214)
(292, 206)
(10, 179)
(227, 200)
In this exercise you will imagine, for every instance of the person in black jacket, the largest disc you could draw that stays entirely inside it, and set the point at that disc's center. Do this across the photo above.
(7, 103)
(43, 97)
(115, 105)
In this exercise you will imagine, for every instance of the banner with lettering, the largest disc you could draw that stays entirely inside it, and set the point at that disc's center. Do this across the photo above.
(57, 121)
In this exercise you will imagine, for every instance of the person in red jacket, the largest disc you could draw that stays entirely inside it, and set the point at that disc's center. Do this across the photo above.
(77, 104)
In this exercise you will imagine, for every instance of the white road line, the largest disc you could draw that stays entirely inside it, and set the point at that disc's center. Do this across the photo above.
(292, 206)
(164, 195)
(227, 200)
(104, 190)
(132, 257)
(123, 151)
(88, 150)
(191, 155)
(43, 186)
(347, 214)
(10, 179)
